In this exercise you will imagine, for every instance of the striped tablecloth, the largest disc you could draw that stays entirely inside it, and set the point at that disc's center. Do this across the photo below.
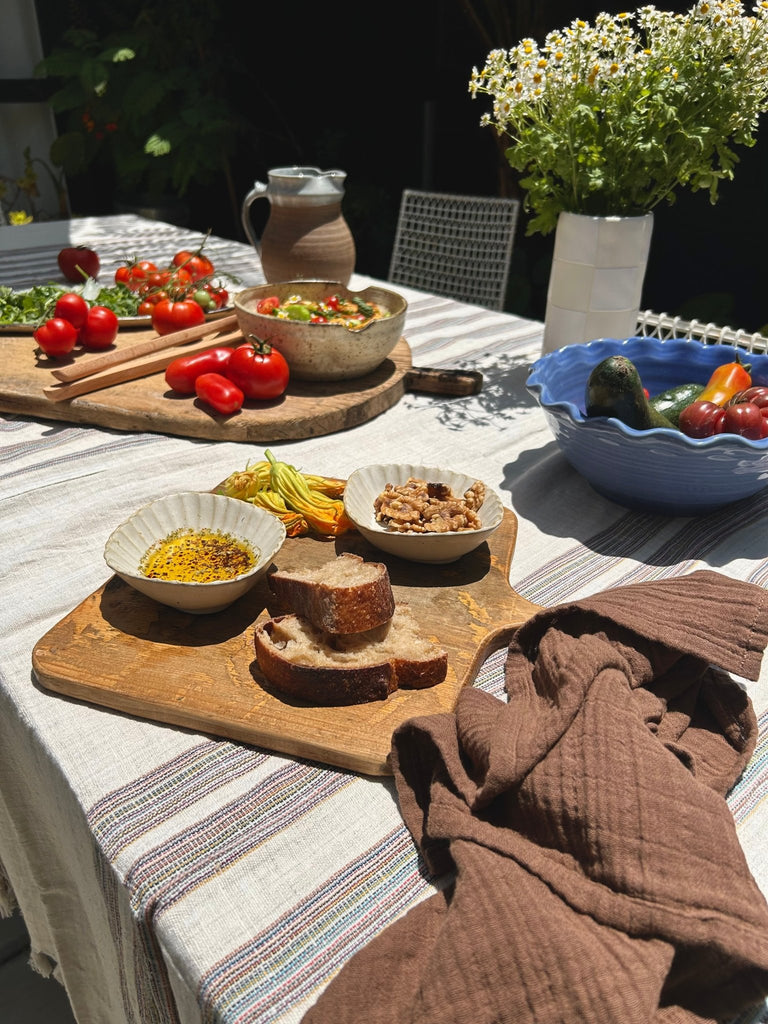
(170, 876)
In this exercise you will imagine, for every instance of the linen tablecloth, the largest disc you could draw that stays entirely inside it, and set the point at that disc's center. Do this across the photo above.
(171, 876)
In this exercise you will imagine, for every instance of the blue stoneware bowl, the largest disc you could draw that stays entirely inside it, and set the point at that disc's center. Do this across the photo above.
(657, 470)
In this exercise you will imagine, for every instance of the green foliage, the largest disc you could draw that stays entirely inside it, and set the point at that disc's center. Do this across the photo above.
(612, 119)
(146, 104)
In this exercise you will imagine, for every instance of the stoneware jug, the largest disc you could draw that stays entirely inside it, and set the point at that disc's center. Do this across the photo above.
(306, 237)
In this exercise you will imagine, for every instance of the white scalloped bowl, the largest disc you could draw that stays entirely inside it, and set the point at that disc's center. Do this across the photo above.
(367, 483)
(198, 510)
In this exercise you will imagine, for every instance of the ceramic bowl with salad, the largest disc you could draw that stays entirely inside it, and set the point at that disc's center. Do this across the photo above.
(324, 330)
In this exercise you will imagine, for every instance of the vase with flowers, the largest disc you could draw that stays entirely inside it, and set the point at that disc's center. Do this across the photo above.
(607, 120)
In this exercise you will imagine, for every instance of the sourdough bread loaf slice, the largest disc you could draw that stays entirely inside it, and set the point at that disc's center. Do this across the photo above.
(345, 595)
(323, 668)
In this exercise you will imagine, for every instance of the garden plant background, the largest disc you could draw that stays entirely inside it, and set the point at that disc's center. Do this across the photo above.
(382, 92)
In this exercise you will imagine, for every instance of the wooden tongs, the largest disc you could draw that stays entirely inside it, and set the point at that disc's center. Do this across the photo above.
(139, 360)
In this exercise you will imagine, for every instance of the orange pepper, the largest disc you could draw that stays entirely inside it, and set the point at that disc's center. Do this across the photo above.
(725, 382)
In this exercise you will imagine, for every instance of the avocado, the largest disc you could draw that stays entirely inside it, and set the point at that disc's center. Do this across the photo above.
(614, 388)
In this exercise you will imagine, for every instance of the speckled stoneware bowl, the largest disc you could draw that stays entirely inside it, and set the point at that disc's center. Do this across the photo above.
(323, 352)
(128, 544)
(367, 483)
(658, 470)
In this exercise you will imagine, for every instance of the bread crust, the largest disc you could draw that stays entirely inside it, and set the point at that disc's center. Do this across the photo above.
(327, 686)
(365, 673)
(358, 599)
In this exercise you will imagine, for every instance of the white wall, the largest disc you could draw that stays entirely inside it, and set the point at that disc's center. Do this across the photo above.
(24, 124)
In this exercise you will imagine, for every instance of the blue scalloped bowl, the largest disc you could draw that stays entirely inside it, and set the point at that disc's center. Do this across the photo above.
(658, 470)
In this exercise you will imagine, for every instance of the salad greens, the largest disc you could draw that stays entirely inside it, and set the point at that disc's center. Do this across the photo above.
(35, 305)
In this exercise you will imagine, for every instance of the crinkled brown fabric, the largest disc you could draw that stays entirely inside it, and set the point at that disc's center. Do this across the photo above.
(598, 875)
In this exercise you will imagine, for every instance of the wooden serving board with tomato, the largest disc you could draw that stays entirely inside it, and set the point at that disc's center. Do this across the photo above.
(124, 651)
(306, 409)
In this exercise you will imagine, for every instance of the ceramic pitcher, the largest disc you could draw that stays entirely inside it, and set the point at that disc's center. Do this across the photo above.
(306, 236)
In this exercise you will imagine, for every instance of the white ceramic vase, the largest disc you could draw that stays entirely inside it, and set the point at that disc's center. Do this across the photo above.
(596, 282)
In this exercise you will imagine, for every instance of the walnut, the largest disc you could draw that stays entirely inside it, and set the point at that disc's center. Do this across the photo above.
(421, 506)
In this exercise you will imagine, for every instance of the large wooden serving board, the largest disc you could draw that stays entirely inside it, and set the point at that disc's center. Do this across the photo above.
(124, 651)
(307, 409)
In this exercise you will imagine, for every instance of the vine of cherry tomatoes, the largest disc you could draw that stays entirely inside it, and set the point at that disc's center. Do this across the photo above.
(745, 413)
(178, 295)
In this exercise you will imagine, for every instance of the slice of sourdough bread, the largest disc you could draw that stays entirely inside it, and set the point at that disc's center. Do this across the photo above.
(345, 595)
(321, 668)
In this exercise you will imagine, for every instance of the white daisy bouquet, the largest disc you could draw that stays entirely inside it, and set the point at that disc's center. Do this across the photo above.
(612, 118)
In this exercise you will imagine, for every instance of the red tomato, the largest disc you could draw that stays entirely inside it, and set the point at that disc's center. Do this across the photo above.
(218, 293)
(78, 262)
(56, 337)
(169, 316)
(220, 393)
(196, 265)
(268, 305)
(258, 369)
(757, 394)
(99, 330)
(134, 275)
(701, 419)
(181, 374)
(744, 419)
(73, 307)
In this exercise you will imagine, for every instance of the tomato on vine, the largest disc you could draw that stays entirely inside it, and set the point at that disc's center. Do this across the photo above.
(134, 275)
(169, 315)
(194, 263)
(258, 369)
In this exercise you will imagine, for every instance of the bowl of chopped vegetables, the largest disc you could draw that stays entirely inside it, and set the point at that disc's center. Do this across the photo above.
(671, 427)
(324, 330)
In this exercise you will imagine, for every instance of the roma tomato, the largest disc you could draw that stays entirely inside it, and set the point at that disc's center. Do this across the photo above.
(181, 374)
(77, 262)
(56, 337)
(73, 307)
(220, 393)
(99, 330)
(194, 263)
(701, 419)
(258, 369)
(169, 316)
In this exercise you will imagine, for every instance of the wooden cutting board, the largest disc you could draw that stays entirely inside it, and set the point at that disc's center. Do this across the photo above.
(307, 409)
(124, 651)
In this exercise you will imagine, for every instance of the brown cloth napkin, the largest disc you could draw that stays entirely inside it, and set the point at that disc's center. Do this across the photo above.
(598, 876)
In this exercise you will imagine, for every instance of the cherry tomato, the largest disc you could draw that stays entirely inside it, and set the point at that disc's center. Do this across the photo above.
(204, 298)
(744, 419)
(194, 263)
(134, 275)
(169, 316)
(78, 262)
(181, 374)
(701, 419)
(220, 393)
(56, 337)
(258, 369)
(218, 293)
(268, 305)
(99, 330)
(331, 301)
(73, 307)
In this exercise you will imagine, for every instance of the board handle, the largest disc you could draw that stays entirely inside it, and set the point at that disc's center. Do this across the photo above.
(437, 381)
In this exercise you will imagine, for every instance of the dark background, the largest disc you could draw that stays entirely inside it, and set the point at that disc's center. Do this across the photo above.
(381, 91)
